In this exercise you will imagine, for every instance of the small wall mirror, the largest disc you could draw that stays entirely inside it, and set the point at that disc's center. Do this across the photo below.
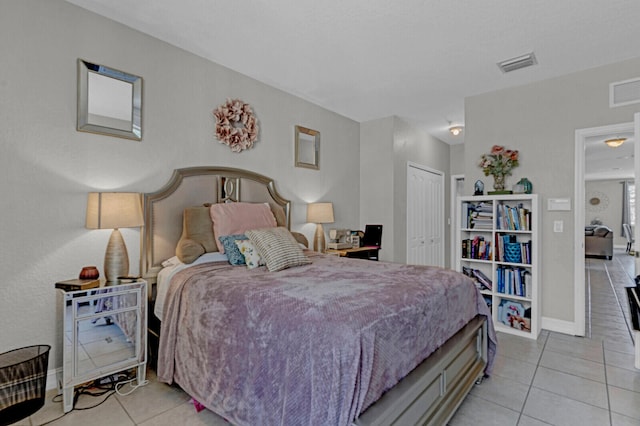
(307, 148)
(109, 101)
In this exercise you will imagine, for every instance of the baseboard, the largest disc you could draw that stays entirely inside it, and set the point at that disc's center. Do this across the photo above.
(559, 326)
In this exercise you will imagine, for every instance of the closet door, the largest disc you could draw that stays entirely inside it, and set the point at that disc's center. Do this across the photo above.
(425, 216)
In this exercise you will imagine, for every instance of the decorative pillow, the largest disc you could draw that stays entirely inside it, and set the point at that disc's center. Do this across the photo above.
(197, 234)
(236, 218)
(231, 249)
(601, 231)
(300, 238)
(251, 255)
(278, 248)
(189, 250)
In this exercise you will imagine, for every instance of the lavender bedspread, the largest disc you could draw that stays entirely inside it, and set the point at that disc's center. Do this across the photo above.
(312, 345)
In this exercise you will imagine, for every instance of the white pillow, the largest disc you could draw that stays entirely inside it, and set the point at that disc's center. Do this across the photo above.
(251, 255)
(278, 248)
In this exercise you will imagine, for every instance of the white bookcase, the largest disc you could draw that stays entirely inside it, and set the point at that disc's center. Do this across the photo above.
(497, 239)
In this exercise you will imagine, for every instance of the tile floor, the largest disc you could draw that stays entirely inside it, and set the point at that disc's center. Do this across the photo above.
(555, 380)
(566, 380)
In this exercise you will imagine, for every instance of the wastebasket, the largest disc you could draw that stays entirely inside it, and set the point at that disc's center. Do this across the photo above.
(23, 381)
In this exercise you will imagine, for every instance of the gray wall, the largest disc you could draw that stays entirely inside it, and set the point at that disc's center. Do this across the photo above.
(540, 121)
(386, 145)
(47, 167)
(456, 160)
(377, 180)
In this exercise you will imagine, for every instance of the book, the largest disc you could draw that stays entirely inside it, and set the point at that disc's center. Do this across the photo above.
(482, 279)
(77, 284)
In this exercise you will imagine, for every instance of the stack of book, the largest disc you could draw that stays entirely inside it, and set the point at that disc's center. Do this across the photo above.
(477, 215)
(514, 218)
(482, 281)
(77, 284)
(514, 281)
(476, 248)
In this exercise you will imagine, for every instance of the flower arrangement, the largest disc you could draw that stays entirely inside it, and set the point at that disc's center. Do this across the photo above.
(236, 126)
(499, 163)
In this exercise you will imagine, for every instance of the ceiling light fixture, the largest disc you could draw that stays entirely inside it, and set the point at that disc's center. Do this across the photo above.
(456, 130)
(615, 142)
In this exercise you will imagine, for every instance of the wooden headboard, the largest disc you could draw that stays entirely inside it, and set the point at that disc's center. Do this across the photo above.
(195, 186)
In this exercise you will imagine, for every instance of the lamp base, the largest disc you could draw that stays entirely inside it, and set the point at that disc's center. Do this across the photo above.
(116, 258)
(318, 239)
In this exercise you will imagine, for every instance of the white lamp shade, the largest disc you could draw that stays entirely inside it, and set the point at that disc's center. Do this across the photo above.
(320, 213)
(112, 210)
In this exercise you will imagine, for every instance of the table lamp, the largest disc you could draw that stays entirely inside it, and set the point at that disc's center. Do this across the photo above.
(319, 213)
(113, 210)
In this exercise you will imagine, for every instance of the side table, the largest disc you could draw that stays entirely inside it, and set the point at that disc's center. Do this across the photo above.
(104, 333)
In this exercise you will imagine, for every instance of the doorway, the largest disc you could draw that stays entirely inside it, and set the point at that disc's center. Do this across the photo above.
(583, 138)
(425, 215)
(457, 189)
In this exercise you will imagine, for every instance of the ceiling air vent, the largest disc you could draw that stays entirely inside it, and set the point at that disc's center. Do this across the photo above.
(625, 92)
(517, 63)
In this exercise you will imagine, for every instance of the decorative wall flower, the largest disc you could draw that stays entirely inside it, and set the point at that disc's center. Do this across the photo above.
(236, 126)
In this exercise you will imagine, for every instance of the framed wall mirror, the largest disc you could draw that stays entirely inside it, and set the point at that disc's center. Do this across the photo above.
(109, 101)
(307, 148)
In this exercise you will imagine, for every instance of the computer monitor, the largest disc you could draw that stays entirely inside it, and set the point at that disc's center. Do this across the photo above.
(372, 236)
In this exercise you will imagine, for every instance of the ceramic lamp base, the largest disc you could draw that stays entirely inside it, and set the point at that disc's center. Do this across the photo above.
(318, 239)
(116, 258)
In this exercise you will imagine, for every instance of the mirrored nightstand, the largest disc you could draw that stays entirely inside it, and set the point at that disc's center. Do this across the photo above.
(104, 333)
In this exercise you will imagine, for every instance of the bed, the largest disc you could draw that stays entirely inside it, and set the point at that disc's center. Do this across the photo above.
(327, 341)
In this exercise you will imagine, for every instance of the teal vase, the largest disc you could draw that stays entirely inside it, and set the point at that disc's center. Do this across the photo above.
(526, 184)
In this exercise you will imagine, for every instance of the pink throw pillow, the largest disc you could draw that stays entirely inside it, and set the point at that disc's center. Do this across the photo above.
(236, 218)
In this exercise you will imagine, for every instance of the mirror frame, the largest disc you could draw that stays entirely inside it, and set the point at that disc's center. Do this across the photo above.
(85, 123)
(304, 150)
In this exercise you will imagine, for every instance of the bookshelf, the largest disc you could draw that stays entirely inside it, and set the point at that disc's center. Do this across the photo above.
(497, 238)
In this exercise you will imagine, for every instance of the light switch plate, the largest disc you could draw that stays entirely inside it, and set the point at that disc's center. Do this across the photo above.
(559, 204)
(558, 226)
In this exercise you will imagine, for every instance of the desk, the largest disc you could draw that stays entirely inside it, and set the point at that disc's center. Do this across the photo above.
(370, 252)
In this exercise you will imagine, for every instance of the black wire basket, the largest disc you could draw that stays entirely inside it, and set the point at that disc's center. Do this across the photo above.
(23, 381)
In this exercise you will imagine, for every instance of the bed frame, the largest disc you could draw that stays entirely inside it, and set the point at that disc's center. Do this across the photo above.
(430, 394)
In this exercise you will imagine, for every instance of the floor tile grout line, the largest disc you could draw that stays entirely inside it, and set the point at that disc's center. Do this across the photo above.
(606, 382)
(615, 294)
(588, 301)
(524, 404)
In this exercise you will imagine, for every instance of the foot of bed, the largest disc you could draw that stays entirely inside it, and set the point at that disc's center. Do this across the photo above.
(480, 379)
